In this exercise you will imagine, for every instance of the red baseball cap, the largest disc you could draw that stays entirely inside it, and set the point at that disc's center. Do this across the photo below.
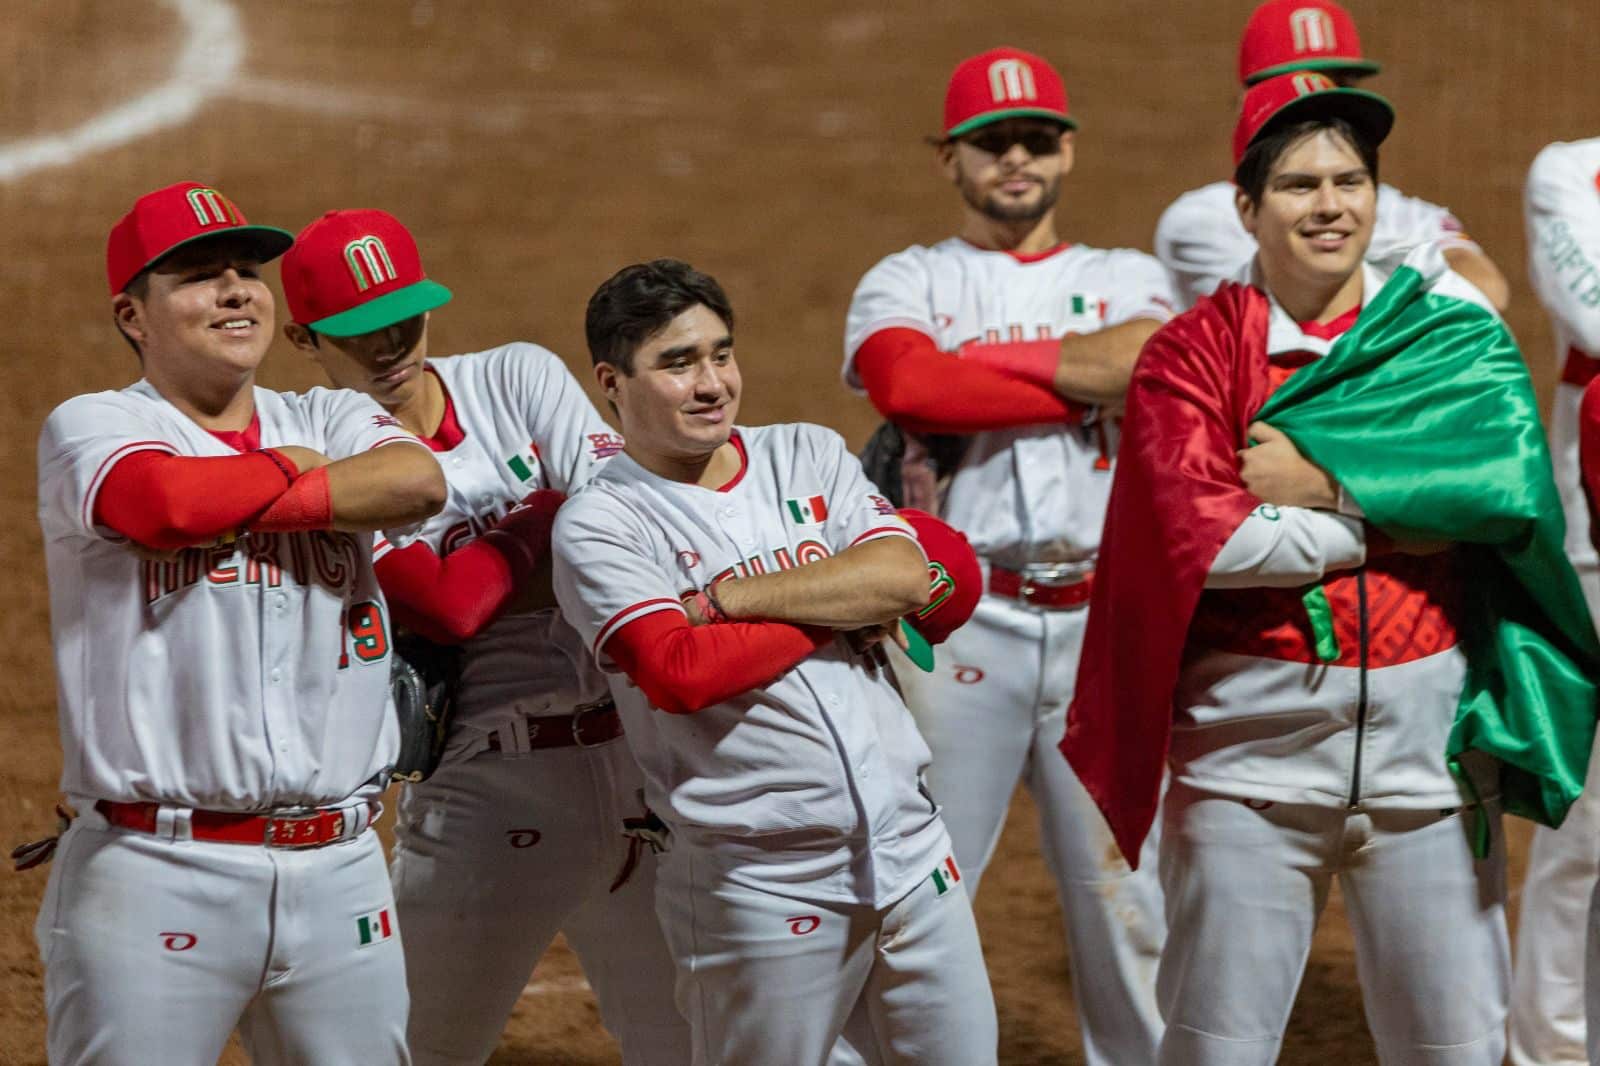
(167, 219)
(1003, 83)
(1307, 94)
(955, 583)
(352, 272)
(1289, 35)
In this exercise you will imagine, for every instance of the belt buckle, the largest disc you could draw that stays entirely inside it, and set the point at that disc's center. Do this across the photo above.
(597, 707)
(295, 831)
(1037, 577)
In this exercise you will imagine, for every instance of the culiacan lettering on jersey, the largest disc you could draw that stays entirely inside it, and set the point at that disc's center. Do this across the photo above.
(807, 551)
(332, 560)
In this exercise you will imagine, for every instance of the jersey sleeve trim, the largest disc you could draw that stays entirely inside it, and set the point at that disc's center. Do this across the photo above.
(628, 614)
(879, 532)
(99, 479)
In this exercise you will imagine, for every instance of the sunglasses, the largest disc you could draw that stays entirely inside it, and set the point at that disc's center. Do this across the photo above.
(997, 140)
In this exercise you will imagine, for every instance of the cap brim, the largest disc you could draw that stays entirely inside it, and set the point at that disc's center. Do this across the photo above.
(385, 311)
(988, 117)
(1358, 66)
(918, 650)
(270, 242)
(1361, 108)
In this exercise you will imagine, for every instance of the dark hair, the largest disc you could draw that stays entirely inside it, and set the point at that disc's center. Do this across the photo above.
(636, 302)
(1251, 173)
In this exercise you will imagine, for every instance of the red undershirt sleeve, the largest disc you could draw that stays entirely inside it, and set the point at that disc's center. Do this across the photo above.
(168, 502)
(683, 668)
(918, 387)
(447, 600)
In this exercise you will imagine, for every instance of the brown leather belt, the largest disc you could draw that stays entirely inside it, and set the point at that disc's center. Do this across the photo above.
(585, 727)
(311, 829)
(1061, 589)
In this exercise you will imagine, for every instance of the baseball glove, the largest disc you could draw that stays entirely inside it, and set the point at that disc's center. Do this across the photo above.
(909, 468)
(423, 678)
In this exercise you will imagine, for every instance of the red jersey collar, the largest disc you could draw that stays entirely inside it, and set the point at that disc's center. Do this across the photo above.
(241, 440)
(449, 433)
(1023, 257)
(1330, 330)
(744, 463)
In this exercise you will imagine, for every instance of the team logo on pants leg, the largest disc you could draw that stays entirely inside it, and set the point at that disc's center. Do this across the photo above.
(373, 928)
(945, 875)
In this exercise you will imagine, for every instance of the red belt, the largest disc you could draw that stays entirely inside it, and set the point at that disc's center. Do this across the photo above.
(586, 727)
(312, 829)
(1050, 594)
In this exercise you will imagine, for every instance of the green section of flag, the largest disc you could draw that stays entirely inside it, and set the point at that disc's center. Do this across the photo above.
(519, 467)
(1425, 414)
(1077, 304)
(794, 510)
(940, 884)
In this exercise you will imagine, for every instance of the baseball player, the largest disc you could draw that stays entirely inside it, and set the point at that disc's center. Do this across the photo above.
(711, 569)
(1562, 209)
(520, 834)
(222, 658)
(1021, 344)
(1331, 701)
(1199, 237)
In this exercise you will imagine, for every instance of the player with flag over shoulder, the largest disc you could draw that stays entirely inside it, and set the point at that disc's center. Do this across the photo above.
(1333, 601)
(735, 581)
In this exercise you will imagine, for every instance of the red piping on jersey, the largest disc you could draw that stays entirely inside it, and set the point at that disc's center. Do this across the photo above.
(877, 531)
(611, 623)
(682, 669)
(1022, 257)
(924, 390)
(744, 462)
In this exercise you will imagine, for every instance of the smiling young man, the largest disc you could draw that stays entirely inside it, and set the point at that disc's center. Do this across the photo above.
(222, 658)
(712, 568)
(1334, 695)
(519, 833)
(1200, 238)
(1012, 348)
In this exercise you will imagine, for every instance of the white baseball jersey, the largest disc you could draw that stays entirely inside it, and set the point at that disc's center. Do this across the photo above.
(527, 425)
(235, 678)
(1201, 240)
(1562, 208)
(1029, 493)
(810, 786)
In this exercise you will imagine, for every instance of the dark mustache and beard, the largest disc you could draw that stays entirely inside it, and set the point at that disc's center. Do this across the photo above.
(993, 207)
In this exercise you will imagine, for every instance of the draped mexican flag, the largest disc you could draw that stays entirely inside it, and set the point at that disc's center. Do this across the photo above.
(1424, 412)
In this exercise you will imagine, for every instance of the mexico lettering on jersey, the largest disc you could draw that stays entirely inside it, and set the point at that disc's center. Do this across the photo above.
(1561, 206)
(526, 425)
(1030, 493)
(1200, 239)
(809, 785)
(248, 675)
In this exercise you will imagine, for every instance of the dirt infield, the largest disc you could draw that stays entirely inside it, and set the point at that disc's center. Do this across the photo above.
(534, 148)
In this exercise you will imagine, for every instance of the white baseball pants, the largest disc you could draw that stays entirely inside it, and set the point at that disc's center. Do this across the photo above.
(156, 948)
(494, 856)
(993, 712)
(767, 980)
(1547, 987)
(1246, 882)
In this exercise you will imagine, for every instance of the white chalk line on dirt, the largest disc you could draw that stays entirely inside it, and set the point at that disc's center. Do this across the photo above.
(555, 986)
(504, 116)
(212, 51)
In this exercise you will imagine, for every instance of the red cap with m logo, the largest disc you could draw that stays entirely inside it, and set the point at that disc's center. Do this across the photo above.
(1289, 35)
(163, 221)
(353, 272)
(1307, 95)
(1003, 83)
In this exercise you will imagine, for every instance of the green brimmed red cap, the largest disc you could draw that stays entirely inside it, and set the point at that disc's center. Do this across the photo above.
(1307, 94)
(352, 272)
(1003, 83)
(1283, 36)
(955, 582)
(163, 221)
